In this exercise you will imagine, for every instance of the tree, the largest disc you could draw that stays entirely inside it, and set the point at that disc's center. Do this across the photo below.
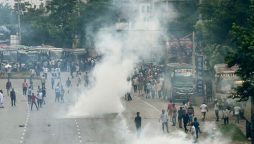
(96, 14)
(7, 15)
(243, 57)
(213, 27)
(64, 19)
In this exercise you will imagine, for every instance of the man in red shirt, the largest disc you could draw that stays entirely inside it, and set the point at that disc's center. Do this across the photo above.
(34, 101)
(25, 86)
(170, 108)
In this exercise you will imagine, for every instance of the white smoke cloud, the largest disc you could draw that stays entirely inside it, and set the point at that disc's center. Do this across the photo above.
(121, 52)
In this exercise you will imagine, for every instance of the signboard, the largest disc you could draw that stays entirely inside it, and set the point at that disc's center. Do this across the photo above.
(200, 72)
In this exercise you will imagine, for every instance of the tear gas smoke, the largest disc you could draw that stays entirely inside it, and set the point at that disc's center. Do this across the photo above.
(121, 52)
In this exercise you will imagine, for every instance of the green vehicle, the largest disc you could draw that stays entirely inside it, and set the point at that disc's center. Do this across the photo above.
(182, 82)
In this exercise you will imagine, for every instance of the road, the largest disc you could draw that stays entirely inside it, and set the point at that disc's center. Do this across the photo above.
(20, 125)
(46, 126)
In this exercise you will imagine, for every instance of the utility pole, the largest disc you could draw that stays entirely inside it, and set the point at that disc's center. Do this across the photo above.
(19, 23)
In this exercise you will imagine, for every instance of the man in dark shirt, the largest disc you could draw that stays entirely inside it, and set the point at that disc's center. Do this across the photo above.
(13, 98)
(137, 121)
(181, 113)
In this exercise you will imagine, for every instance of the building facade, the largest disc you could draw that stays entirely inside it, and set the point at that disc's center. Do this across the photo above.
(33, 3)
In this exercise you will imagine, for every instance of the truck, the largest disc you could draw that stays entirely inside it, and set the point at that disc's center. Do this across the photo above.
(182, 84)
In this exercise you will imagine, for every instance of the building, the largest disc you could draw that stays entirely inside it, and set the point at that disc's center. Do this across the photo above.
(34, 3)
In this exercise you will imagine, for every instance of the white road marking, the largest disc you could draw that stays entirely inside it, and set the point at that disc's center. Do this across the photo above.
(149, 105)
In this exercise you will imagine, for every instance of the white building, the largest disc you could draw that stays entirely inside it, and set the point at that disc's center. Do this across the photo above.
(34, 3)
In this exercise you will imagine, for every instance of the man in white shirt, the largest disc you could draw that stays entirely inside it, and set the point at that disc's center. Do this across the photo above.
(237, 114)
(164, 120)
(203, 109)
(1, 99)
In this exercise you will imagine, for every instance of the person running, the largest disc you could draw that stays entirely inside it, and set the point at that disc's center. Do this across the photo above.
(196, 125)
(225, 116)
(68, 84)
(204, 110)
(13, 97)
(34, 102)
(193, 132)
(138, 121)
(164, 120)
(1, 99)
(25, 86)
(8, 87)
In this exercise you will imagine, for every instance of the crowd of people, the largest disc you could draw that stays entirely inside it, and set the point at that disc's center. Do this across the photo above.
(148, 81)
(36, 95)
(187, 118)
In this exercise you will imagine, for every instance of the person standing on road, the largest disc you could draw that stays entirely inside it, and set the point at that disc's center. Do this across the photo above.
(34, 102)
(25, 86)
(137, 121)
(237, 113)
(57, 93)
(216, 110)
(1, 99)
(31, 81)
(174, 115)
(8, 87)
(181, 113)
(186, 120)
(43, 81)
(164, 120)
(68, 84)
(13, 97)
(62, 94)
(43, 95)
(52, 80)
(225, 116)
(170, 108)
(190, 112)
(29, 94)
(204, 110)
(39, 99)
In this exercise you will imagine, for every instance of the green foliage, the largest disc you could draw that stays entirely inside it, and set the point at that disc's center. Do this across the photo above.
(62, 20)
(7, 15)
(231, 131)
(213, 31)
(187, 16)
(243, 55)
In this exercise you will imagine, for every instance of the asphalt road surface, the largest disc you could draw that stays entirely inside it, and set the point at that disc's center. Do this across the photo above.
(20, 125)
